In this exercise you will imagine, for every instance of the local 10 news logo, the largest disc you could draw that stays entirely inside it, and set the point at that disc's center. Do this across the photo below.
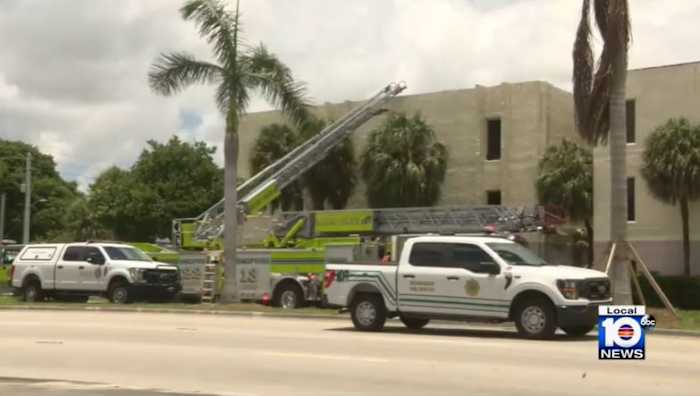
(621, 331)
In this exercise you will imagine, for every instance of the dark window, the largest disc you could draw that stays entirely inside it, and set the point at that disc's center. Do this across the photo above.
(81, 253)
(493, 139)
(73, 253)
(427, 254)
(493, 197)
(631, 117)
(631, 209)
(94, 254)
(469, 257)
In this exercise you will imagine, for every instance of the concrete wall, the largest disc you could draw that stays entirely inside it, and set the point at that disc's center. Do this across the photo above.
(660, 93)
(533, 116)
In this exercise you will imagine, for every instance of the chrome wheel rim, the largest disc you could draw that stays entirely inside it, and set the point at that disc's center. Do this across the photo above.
(119, 295)
(366, 313)
(288, 299)
(533, 319)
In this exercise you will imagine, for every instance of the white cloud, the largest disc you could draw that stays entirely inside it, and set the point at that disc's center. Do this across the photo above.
(73, 72)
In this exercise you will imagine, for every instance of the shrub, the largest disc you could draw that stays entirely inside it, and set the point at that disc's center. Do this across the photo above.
(683, 291)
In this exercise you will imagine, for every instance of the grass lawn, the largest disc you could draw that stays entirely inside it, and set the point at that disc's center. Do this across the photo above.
(690, 320)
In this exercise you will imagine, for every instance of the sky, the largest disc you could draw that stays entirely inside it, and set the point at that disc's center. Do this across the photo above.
(73, 73)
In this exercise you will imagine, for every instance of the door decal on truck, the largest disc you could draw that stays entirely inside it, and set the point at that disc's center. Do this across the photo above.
(422, 286)
(471, 287)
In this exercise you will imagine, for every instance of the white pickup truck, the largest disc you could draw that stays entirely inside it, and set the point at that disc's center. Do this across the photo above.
(466, 278)
(75, 271)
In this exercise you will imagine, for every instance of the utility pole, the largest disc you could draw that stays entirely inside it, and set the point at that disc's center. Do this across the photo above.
(2, 216)
(27, 199)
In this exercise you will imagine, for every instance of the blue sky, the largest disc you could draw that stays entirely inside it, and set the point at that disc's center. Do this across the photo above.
(73, 72)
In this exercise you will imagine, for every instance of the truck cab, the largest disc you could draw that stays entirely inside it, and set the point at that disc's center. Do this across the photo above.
(467, 278)
(75, 271)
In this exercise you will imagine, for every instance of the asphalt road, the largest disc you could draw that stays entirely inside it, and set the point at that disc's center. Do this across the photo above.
(120, 354)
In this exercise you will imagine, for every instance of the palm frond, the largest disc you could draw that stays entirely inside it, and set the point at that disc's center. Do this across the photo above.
(583, 72)
(218, 26)
(592, 85)
(274, 79)
(173, 72)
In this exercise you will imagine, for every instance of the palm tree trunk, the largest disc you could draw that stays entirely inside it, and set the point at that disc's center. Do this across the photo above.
(618, 178)
(686, 236)
(229, 293)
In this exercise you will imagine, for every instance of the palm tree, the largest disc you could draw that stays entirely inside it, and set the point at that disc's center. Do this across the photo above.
(331, 181)
(236, 71)
(599, 102)
(672, 170)
(566, 180)
(403, 164)
(273, 143)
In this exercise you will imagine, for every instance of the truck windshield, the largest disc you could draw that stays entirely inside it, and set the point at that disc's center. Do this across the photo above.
(126, 253)
(516, 254)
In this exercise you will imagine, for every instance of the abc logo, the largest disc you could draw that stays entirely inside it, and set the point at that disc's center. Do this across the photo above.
(624, 332)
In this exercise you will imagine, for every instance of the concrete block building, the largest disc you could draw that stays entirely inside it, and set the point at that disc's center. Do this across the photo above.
(654, 95)
(495, 136)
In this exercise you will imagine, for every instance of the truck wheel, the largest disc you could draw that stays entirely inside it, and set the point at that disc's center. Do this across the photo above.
(119, 293)
(289, 296)
(32, 292)
(414, 323)
(535, 319)
(578, 331)
(368, 312)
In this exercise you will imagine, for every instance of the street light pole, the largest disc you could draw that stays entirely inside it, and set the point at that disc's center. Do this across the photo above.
(27, 199)
(2, 216)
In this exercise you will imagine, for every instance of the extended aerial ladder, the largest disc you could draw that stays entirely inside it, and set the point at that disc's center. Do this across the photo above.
(261, 189)
(307, 225)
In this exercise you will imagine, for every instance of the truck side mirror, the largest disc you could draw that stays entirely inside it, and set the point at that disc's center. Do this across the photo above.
(490, 267)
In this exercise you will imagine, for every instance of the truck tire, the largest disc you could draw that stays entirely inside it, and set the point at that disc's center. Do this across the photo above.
(578, 331)
(535, 318)
(119, 293)
(289, 296)
(31, 292)
(414, 323)
(368, 312)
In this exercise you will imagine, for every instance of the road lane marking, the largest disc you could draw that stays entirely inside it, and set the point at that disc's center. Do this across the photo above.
(314, 356)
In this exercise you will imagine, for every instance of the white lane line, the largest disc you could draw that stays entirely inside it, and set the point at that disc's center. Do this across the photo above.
(324, 356)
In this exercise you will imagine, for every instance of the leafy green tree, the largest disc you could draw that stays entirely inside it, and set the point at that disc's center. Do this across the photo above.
(169, 180)
(403, 165)
(182, 175)
(50, 193)
(274, 142)
(672, 170)
(565, 179)
(80, 224)
(125, 206)
(332, 181)
(238, 71)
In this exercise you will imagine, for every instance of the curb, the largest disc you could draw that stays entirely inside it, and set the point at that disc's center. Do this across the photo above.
(676, 332)
(171, 311)
(254, 314)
